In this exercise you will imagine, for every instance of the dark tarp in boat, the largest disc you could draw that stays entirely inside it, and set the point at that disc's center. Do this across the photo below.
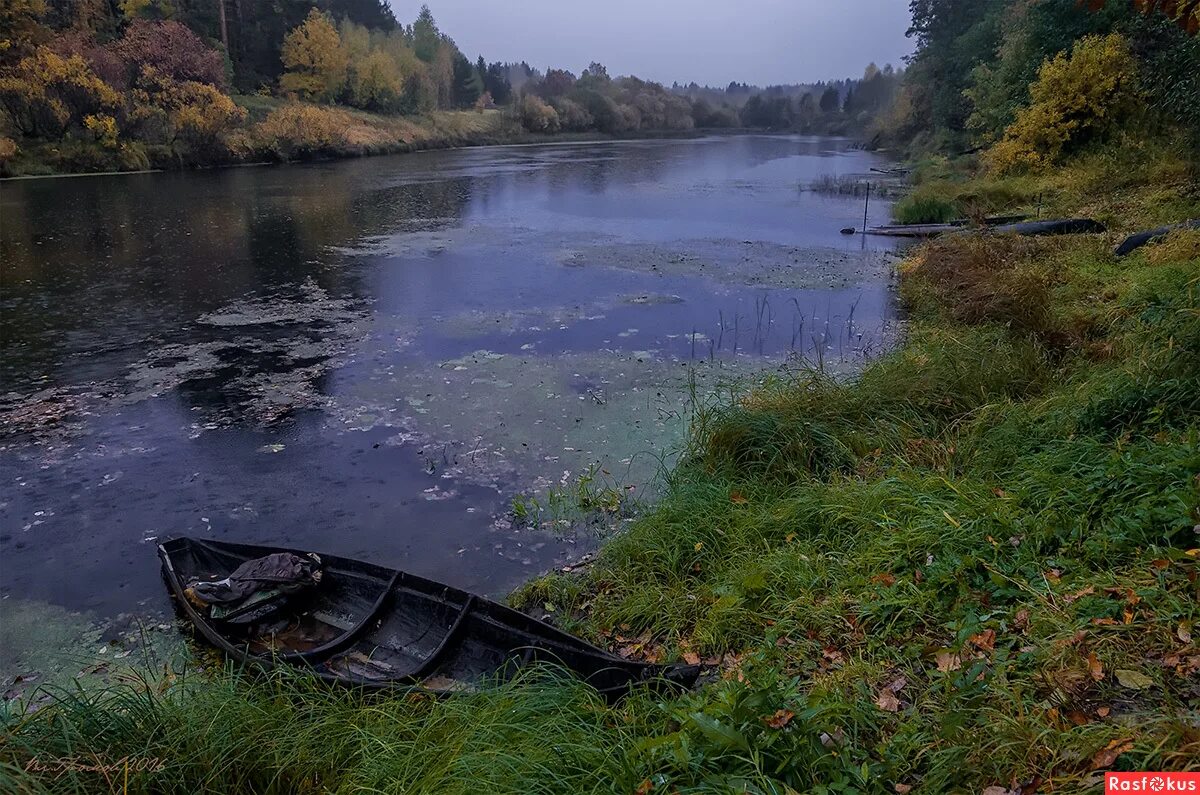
(1134, 242)
(369, 626)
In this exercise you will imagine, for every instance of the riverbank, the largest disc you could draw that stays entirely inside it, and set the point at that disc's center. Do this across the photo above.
(281, 131)
(973, 566)
(278, 131)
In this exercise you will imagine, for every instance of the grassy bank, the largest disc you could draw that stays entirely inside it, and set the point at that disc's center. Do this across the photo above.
(975, 566)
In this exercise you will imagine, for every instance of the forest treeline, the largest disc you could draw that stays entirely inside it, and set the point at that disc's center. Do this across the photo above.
(90, 85)
(1031, 82)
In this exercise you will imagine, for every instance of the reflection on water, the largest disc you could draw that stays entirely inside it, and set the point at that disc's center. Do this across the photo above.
(371, 357)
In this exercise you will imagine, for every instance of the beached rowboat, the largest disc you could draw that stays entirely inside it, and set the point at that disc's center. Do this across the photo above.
(369, 626)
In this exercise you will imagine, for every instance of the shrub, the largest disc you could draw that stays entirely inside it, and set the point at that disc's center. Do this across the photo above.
(46, 94)
(1074, 99)
(297, 130)
(571, 115)
(537, 116)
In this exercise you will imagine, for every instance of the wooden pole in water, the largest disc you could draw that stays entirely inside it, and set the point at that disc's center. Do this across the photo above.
(866, 205)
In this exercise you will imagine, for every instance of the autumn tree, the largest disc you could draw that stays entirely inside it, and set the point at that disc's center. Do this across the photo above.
(172, 50)
(315, 60)
(1074, 99)
(21, 28)
(376, 82)
(46, 94)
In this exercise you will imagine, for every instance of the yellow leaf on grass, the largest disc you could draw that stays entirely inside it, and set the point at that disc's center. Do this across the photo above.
(1132, 679)
(948, 661)
(1094, 667)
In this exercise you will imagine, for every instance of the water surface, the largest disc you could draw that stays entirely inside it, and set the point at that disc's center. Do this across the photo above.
(372, 357)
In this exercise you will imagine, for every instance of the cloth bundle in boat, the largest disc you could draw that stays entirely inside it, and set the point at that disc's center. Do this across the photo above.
(257, 587)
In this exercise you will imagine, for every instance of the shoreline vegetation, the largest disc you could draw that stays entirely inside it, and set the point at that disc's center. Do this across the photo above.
(973, 567)
(145, 85)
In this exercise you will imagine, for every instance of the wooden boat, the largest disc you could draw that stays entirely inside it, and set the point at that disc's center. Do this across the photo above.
(374, 627)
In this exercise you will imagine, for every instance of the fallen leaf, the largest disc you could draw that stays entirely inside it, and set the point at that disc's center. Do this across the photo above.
(699, 546)
(644, 787)
(997, 791)
(1021, 621)
(1185, 632)
(780, 718)
(1078, 718)
(984, 641)
(1094, 667)
(1105, 757)
(1053, 574)
(887, 701)
(1103, 711)
(902, 789)
(1132, 679)
(884, 579)
(691, 658)
(737, 497)
(948, 661)
(1088, 591)
(1160, 564)
(1104, 622)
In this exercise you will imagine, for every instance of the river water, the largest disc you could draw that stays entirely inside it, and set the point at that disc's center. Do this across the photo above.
(372, 357)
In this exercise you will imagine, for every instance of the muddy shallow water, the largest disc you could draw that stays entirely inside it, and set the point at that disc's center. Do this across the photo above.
(373, 357)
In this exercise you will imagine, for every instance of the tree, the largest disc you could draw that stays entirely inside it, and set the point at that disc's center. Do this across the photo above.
(426, 36)
(171, 49)
(21, 28)
(829, 100)
(376, 82)
(468, 84)
(495, 79)
(315, 60)
(1074, 99)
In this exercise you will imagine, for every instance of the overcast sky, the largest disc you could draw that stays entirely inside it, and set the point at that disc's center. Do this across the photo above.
(709, 41)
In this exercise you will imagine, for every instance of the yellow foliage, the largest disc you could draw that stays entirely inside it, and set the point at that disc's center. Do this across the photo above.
(299, 129)
(315, 59)
(103, 127)
(197, 113)
(19, 23)
(537, 116)
(46, 92)
(8, 149)
(1074, 98)
(377, 82)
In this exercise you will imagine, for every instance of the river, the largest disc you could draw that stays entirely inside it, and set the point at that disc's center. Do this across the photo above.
(373, 357)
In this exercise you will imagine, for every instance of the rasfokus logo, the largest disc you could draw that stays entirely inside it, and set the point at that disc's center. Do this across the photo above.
(1151, 782)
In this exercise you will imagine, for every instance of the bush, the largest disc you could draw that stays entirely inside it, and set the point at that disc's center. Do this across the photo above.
(1074, 100)
(537, 116)
(297, 130)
